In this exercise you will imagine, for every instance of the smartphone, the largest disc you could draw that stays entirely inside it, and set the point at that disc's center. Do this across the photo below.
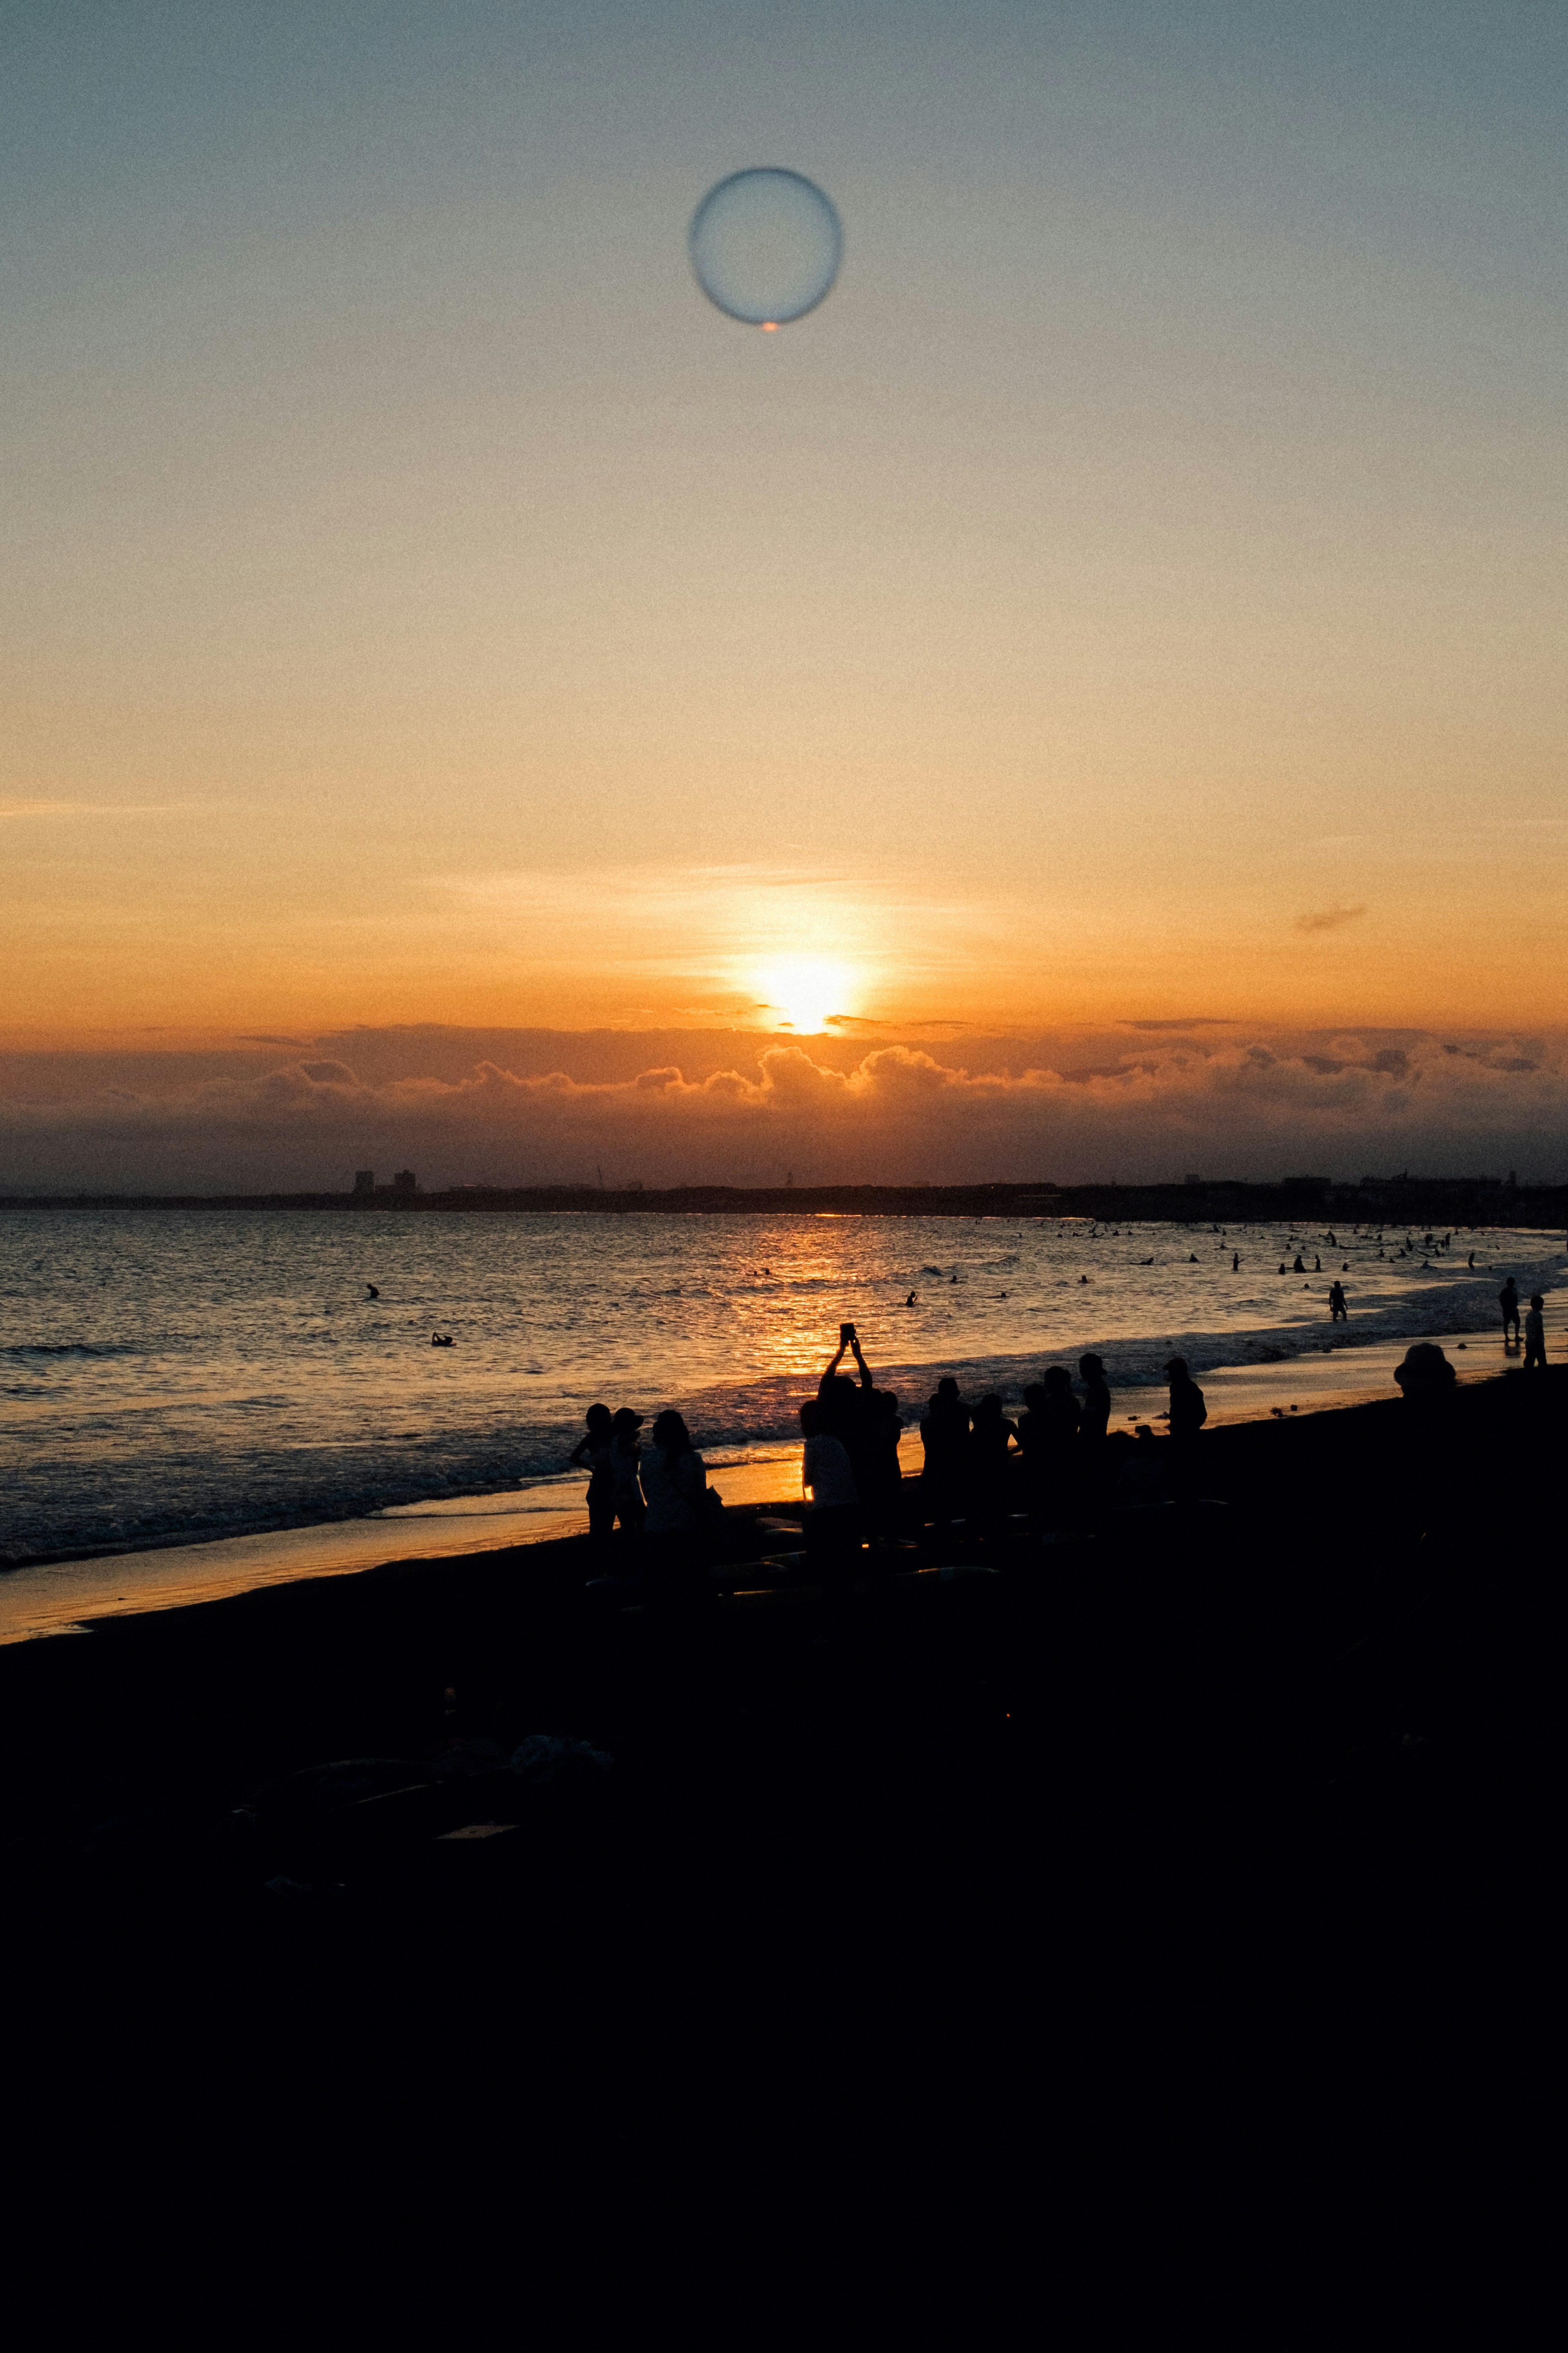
(847, 1331)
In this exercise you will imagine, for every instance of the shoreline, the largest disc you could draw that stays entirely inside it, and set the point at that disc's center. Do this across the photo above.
(53, 1598)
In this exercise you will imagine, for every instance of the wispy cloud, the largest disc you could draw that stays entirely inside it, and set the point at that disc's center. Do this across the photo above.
(1330, 919)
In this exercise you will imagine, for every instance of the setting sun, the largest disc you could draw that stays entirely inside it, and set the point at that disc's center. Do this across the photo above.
(806, 991)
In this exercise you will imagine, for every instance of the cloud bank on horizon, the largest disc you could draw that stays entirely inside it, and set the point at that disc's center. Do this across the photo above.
(1251, 1105)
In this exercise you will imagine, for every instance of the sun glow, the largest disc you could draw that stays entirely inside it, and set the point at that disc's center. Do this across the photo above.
(805, 992)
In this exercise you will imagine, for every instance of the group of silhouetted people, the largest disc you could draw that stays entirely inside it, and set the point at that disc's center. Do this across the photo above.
(1056, 1461)
(659, 1494)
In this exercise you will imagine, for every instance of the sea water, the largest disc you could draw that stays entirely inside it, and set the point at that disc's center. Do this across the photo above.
(171, 1375)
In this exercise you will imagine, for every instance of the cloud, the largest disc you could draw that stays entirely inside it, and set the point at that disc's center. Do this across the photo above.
(1330, 919)
(1249, 1107)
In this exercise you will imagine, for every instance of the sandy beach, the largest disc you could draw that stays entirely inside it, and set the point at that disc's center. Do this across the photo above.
(55, 1598)
(384, 1841)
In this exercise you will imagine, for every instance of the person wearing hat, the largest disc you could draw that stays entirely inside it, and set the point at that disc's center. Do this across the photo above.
(625, 1461)
(1535, 1334)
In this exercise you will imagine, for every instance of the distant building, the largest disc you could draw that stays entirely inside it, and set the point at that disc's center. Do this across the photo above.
(405, 1181)
(364, 1181)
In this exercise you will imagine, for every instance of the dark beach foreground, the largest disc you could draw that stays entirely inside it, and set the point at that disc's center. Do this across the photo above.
(1167, 1842)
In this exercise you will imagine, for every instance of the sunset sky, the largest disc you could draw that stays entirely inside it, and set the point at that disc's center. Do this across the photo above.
(1135, 596)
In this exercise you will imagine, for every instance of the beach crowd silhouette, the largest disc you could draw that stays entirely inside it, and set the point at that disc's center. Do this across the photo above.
(1056, 1465)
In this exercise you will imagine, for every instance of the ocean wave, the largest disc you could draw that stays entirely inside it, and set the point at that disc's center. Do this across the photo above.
(232, 1443)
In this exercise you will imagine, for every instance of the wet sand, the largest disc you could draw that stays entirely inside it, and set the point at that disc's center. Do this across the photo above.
(55, 1598)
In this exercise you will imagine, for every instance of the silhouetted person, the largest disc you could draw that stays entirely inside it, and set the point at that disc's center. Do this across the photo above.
(674, 1485)
(626, 1462)
(884, 1473)
(1048, 1436)
(594, 1450)
(1425, 1373)
(847, 1405)
(992, 1441)
(910, 1300)
(1470, 1261)
(1508, 1300)
(832, 1498)
(370, 1292)
(945, 1434)
(1235, 1261)
(1535, 1334)
(1298, 1268)
(1095, 1418)
(1188, 1415)
(1337, 1311)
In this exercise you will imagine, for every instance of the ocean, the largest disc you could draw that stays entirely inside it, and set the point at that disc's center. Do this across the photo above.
(171, 1377)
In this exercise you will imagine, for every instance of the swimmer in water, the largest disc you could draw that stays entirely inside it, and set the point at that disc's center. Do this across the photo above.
(370, 1292)
(910, 1300)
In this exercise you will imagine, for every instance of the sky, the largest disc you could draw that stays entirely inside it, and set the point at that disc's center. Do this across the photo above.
(1135, 595)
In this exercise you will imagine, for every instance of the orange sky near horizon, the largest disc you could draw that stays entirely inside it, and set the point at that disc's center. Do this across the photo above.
(1136, 593)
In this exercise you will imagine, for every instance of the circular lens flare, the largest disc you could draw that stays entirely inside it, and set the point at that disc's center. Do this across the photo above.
(766, 246)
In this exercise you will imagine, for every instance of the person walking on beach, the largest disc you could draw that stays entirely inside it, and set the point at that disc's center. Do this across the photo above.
(1535, 1334)
(1337, 1311)
(1508, 1300)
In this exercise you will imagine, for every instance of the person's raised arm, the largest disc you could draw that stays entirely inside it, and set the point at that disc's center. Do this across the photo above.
(833, 1364)
(866, 1380)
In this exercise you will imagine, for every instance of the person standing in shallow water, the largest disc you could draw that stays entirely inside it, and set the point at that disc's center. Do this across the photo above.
(1337, 1311)
(1508, 1300)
